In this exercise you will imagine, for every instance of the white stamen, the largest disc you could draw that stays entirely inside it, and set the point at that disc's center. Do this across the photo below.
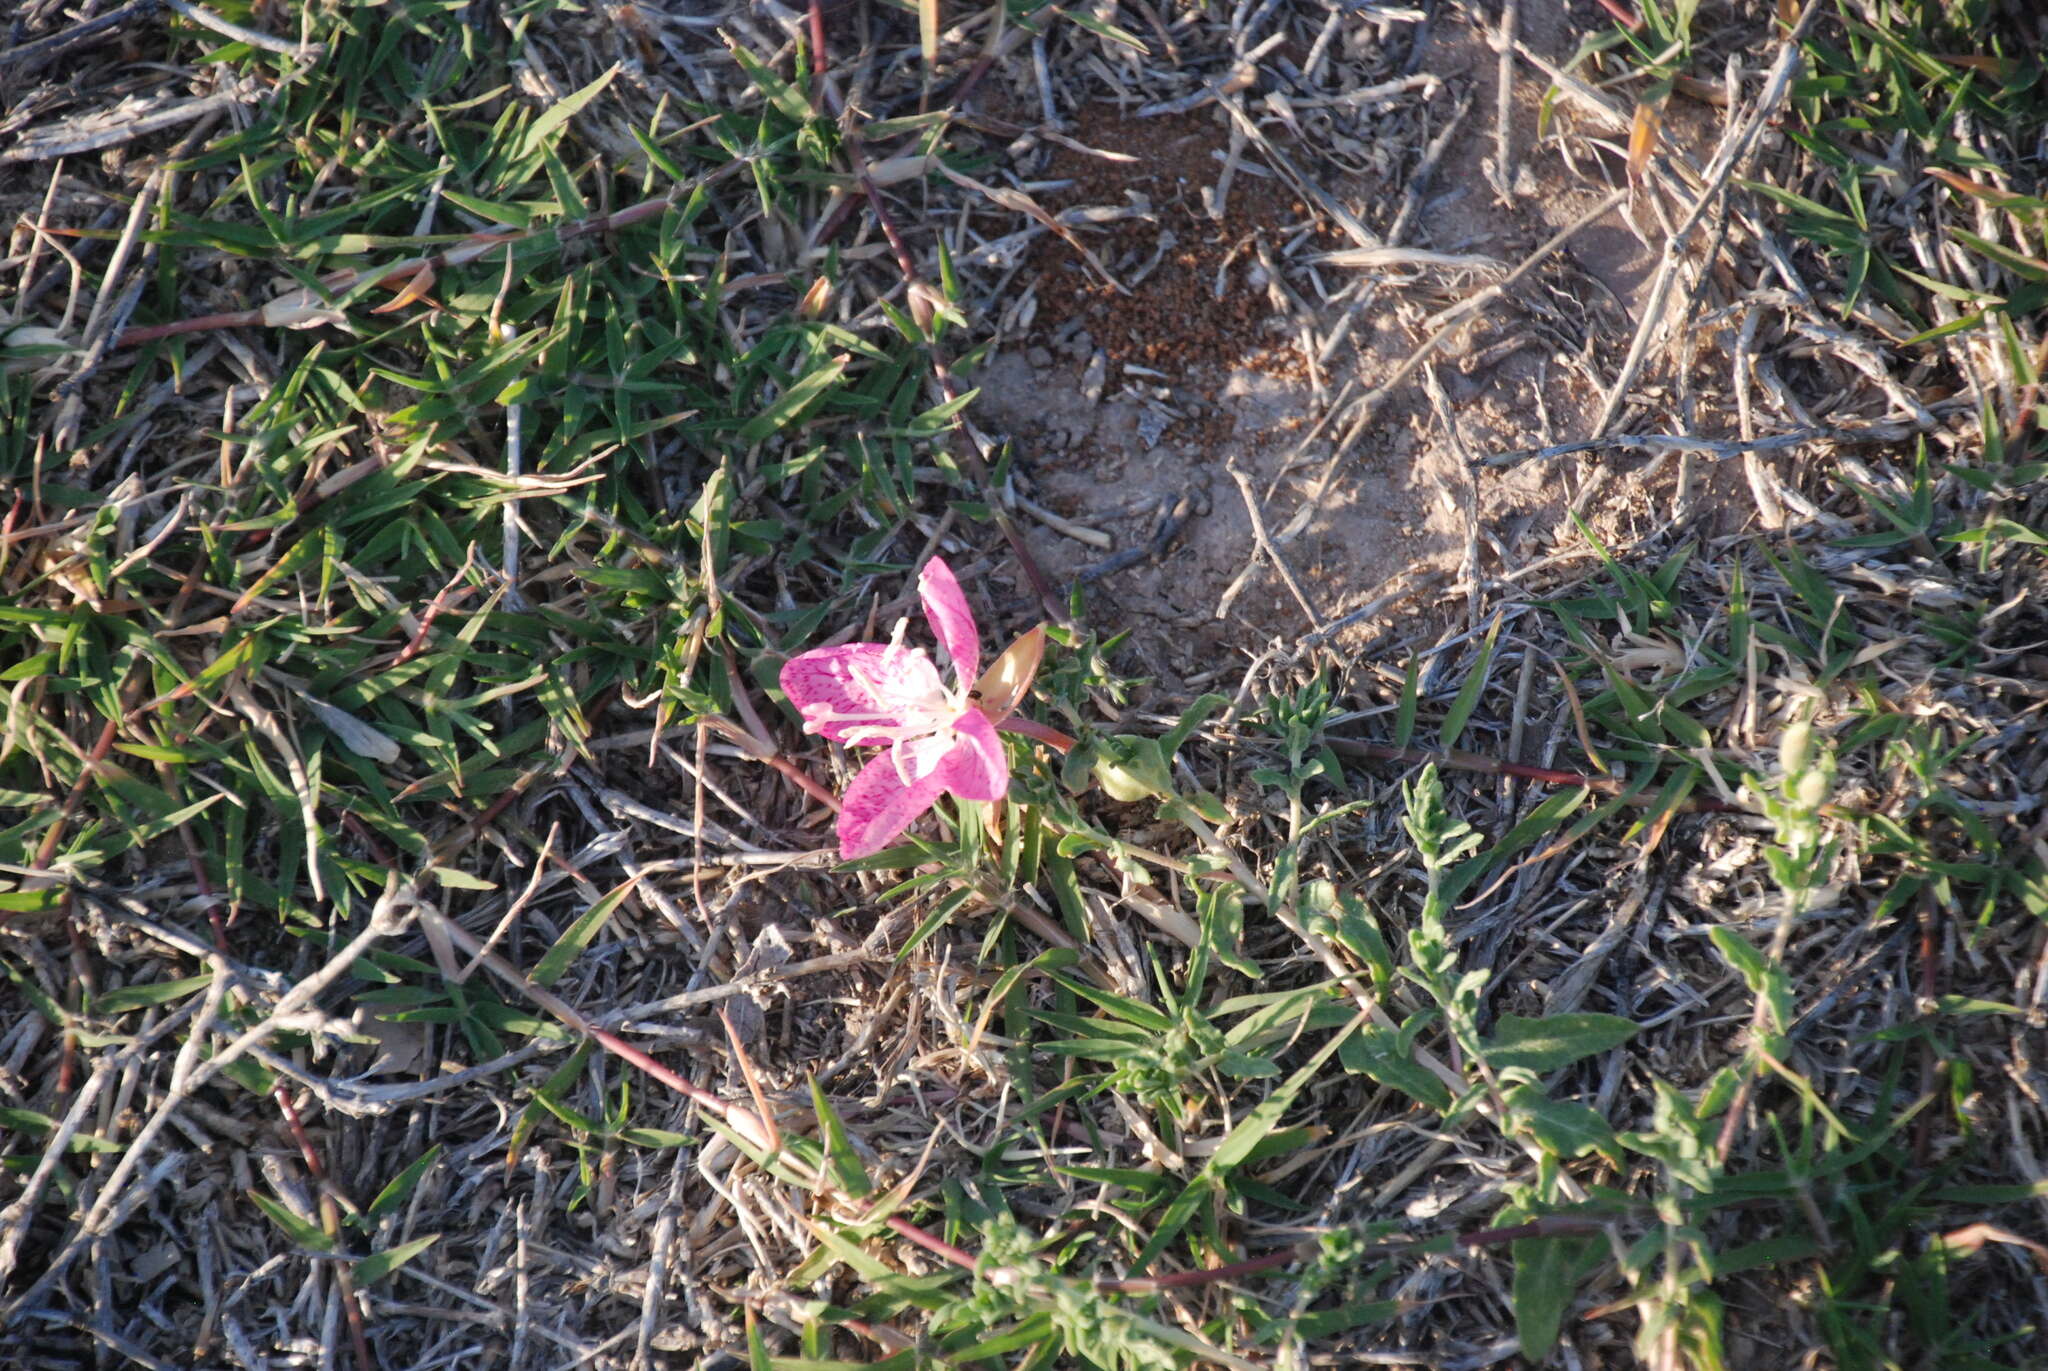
(911, 718)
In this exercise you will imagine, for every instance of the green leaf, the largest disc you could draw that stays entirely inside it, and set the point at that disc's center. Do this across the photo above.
(1554, 1041)
(568, 1114)
(378, 1265)
(1104, 29)
(1134, 1012)
(401, 1186)
(1468, 694)
(451, 879)
(1389, 1058)
(1411, 695)
(1353, 927)
(143, 996)
(845, 1163)
(561, 112)
(29, 1121)
(1964, 1004)
(304, 1232)
(1760, 976)
(1245, 1066)
(1197, 714)
(653, 1137)
(31, 901)
(1547, 1272)
(1130, 769)
(1564, 1127)
(786, 98)
(570, 945)
(794, 401)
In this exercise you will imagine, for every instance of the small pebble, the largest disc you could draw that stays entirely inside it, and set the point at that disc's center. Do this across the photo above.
(1095, 377)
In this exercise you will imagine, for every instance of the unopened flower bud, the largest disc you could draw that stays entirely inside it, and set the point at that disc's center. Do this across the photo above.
(1813, 790)
(1792, 748)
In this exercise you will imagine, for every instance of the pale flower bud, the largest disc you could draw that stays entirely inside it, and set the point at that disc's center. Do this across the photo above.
(1793, 747)
(1813, 790)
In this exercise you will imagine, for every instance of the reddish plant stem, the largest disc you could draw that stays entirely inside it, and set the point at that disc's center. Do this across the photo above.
(574, 1019)
(451, 595)
(14, 512)
(1549, 1226)
(800, 778)
(202, 323)
(1038, 732)
(1623, 15)
(959, 1256)
(1929, 942)
(46, 852)
(330, 1223)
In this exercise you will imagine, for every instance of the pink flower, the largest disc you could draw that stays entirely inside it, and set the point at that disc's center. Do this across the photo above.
(891, 696)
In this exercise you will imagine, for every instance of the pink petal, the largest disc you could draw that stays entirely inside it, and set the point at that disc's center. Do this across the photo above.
(877, 807)
(835, 687)
(917, 758)
(976, 767)
(951, 619)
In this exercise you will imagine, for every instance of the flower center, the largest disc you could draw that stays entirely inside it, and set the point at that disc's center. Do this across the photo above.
(913, 716)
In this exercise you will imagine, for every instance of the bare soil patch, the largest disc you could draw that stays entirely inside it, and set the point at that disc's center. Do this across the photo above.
(1233, 342)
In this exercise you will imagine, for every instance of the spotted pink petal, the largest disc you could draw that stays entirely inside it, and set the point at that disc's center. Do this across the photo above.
(835, 688)
(878, 806)
(951, 619)
(975, 768)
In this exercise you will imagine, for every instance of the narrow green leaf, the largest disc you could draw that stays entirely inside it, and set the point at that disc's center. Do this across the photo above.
(570, 945)
(304, 1232)
(544, 129)
(378, 1265)
(39, 1125)
(1411, 695)
(143, 996)
(1468, 694)
(1761, 978)
(845, 1163)
(786, 98)
(653, 1137)
(794, 401)
(1194, 717)
(401, 1186)
(32, 901)
(1123, 1007)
